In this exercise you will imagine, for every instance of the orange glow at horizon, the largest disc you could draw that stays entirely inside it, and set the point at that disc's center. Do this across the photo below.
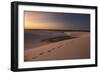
(35, 20)
(41, 26)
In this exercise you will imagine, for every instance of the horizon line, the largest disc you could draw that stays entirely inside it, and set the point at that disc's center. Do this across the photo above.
(58, 30)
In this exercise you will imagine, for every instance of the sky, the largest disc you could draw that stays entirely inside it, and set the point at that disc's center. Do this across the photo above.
(59, 21)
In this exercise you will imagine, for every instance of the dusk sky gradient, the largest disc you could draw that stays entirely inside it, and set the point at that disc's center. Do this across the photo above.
(60, 21)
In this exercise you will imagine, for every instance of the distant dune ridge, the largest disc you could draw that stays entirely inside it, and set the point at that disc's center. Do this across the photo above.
(75, 46)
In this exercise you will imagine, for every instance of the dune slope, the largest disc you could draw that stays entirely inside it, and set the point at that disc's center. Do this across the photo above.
(77, 48)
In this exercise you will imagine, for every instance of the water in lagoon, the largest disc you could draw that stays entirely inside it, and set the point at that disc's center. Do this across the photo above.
(37, 38)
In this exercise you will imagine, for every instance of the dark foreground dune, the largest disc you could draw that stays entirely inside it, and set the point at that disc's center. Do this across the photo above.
(33, 39)
(77, 47)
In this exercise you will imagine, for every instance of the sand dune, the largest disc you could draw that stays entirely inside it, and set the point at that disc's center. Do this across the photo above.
(76, 48)
(35, 38)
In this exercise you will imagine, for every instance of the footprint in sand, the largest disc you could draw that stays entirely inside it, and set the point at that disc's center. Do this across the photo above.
(35, 57)
(41, 53)
(51, 50)
(54, 48)
(60, 46)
